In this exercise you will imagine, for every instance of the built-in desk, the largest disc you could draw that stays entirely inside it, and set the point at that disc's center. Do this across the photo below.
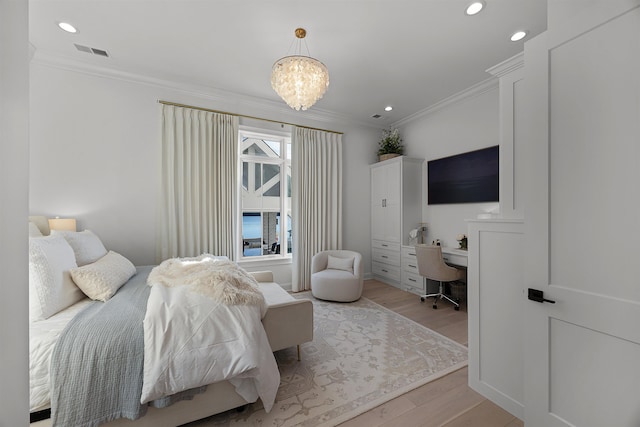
(455, 257)
(411, 280)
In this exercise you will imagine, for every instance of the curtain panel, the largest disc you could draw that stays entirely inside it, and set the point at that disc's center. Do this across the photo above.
(316, 198)
(199, 183)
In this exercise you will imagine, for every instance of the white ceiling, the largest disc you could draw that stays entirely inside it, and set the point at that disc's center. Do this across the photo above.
(406, 53)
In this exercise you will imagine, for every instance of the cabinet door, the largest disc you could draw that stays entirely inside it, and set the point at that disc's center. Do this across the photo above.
(386, 187)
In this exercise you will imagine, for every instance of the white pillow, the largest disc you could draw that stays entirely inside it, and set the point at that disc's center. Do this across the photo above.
(336, 263)
(86, 245)
(50, 286)
(101, 279)
(34, 231)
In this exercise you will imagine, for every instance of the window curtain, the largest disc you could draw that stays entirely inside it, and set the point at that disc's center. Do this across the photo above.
(316, 198)
(199, 183)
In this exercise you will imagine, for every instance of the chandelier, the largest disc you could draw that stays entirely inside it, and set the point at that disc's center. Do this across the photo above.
(299, 80)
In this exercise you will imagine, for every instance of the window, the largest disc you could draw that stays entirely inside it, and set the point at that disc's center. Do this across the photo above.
(265, 195)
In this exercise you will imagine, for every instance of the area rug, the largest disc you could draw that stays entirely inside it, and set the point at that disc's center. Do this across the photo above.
(361, 356)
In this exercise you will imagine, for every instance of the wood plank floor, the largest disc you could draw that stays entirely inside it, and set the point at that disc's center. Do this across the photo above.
(448, 401)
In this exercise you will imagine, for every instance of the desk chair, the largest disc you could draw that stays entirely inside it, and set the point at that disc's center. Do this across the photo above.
(432, 266)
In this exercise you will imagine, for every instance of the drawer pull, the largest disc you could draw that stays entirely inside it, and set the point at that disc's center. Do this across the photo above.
(412, 266)
(386, 271)
(412, 280)
(384, 246)
(383, 256)
(412, 254)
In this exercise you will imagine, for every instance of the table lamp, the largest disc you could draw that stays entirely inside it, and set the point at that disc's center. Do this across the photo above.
(62, 224)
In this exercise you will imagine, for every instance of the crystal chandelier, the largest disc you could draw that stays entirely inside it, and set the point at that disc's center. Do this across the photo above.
(299, 80)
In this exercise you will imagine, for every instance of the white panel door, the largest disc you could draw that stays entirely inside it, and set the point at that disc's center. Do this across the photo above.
(582, 353)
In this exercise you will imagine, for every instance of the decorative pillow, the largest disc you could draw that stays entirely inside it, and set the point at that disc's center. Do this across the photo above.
(50, 286)
(101, 279)
(34, 231)
(86, 245)
(336, 263)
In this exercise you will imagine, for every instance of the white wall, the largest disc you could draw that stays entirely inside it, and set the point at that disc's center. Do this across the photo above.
(14, 174)
(468, 124)
(95, 151)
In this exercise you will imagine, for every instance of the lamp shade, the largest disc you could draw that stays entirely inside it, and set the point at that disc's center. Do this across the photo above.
(62, 224)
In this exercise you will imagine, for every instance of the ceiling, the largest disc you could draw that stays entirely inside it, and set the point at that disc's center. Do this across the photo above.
(406, 53)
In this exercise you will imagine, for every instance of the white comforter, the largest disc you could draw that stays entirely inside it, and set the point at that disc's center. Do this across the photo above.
(207, 342)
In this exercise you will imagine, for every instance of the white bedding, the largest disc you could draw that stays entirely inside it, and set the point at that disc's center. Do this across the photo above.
(43, 335)
(229, 340)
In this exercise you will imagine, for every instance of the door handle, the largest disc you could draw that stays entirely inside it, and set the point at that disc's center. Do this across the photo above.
(537, 296)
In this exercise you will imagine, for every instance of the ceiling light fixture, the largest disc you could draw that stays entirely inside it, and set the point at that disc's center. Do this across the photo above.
(299, 80)
(474, 8)
(518, 35)
(388, 108)
(67, 27)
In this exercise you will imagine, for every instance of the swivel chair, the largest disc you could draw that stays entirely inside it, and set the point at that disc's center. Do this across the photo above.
(337, 275)
(432, 266)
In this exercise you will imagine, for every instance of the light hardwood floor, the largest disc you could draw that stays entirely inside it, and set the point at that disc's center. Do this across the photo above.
(448, 401)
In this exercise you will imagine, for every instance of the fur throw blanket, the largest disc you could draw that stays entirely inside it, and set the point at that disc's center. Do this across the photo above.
(214, 277)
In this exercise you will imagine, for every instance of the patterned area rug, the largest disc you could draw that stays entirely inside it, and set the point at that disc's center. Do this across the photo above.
(362, 355)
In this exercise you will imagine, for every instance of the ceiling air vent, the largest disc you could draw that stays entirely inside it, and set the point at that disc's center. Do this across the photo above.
(376, 116)
(91, 50)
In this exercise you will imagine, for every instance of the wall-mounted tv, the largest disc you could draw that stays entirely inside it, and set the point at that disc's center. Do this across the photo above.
(471, 177)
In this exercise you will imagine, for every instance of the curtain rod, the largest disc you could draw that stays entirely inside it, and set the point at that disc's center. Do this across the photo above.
(243, 115)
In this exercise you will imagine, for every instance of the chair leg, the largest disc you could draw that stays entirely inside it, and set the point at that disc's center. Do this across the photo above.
(440, 295)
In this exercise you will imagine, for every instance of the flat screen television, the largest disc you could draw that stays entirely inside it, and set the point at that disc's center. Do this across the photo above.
(471, 177)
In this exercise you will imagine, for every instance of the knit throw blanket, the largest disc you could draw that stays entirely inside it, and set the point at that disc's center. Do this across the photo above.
(214, 277)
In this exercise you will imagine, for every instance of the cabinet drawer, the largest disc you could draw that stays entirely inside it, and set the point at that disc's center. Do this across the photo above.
(410, 265)
(454, 259)
(413, 282)
(388, 271)
(409, 252)
(383, 244)
(386, 257)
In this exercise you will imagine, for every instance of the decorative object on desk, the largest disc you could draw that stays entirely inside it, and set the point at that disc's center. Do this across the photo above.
(422, 233)
(462, 240)
(390, 145)
(435, 242)
(413, 237)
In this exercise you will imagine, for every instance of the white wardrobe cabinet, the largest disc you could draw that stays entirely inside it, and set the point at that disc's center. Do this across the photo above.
(396, 208)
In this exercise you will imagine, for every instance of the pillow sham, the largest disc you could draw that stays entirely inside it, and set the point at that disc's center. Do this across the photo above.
(86, 245)
(336, 263)
(100, 280)
(34, 231)
(50, 286)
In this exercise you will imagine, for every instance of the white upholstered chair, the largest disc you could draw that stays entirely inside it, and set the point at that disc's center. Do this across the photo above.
(337, 275)
(432, 266)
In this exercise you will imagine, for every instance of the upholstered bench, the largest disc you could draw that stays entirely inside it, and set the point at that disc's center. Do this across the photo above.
(289, 321)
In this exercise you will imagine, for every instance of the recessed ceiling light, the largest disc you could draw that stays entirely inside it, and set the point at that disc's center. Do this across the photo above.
(67, 27)
(518, 35)
(474, 8)
(388, 108)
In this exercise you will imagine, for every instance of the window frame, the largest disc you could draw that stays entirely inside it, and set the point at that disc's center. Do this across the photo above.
(284, 163)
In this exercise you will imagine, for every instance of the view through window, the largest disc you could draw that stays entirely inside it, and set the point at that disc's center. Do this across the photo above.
(265, 194)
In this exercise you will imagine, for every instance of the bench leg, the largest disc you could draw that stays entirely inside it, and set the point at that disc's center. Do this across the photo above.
(298, 352)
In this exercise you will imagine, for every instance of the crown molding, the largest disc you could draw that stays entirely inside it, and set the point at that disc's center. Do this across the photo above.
(256, 105)
(507, 66)
(478, 89)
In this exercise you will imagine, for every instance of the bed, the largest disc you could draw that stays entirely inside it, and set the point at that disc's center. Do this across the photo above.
(281, 332)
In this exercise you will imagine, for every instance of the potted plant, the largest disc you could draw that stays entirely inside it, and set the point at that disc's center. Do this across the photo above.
(390, 145)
